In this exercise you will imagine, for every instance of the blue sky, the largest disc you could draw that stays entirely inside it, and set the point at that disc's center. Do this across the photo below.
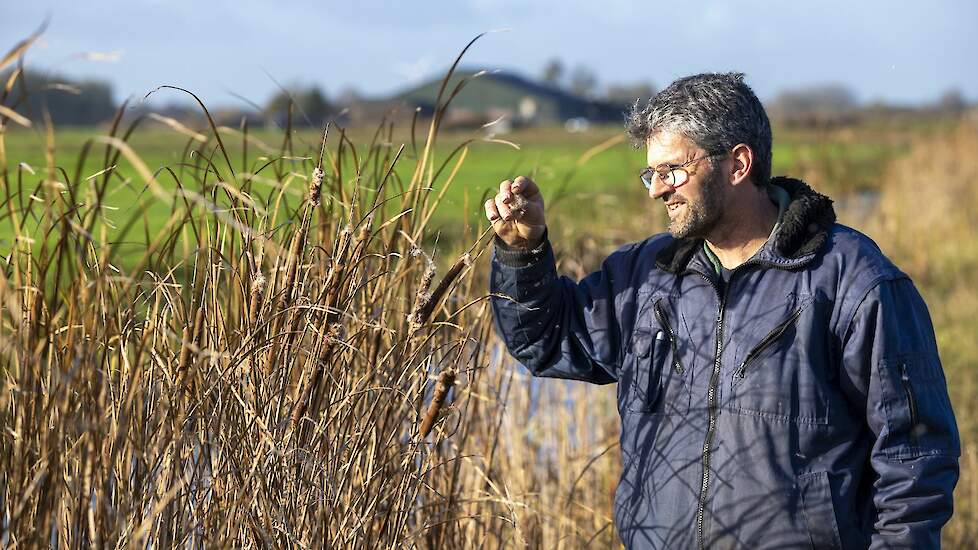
(902, 52)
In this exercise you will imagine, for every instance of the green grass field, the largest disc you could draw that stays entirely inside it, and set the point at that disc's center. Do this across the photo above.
(581, 173)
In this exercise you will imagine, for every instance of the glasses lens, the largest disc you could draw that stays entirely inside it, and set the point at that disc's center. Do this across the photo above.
(646, 176)
(669, 177)
(678, 177)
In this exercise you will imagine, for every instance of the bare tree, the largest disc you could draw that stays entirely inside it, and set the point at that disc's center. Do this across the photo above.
(553, 72)
(310, 106)
(952, 102)
(69, 102)
(583, 81)
(818, 104)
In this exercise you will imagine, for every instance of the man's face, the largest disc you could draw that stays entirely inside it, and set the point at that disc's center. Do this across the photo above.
(696, 207)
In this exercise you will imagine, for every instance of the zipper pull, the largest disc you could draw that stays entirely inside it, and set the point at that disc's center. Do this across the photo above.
(661, 316)
(741, 371)
(911, 399)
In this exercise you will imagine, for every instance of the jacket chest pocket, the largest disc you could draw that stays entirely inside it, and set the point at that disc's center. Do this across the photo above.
(657, 376)
(782, 369)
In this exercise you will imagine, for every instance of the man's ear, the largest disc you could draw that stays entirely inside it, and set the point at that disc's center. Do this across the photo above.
(743, 160)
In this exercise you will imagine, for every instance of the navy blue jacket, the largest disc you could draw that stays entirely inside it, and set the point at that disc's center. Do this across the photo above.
(800, 405)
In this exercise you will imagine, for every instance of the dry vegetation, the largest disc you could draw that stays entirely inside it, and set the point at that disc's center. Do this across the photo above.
(927, 222)
(285, 365)
(263, 372)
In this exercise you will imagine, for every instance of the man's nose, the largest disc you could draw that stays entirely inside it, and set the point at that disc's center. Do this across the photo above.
(658, 189)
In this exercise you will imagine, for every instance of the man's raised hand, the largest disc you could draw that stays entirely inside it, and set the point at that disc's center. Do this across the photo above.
(516, 213)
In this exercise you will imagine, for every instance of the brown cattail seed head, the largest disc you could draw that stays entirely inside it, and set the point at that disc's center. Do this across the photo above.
(258, 283)
(422, 298)
(427, 278)
(315, 187)
(365, 229)
(445, 382)
(422, 312)
(342, 243)
(335, 332)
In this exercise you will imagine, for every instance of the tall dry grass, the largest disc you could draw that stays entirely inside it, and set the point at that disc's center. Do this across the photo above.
(927, 222)
(281, 365)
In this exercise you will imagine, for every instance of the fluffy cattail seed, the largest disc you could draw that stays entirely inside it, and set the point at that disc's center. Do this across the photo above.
(257, 287)
(258, 283)
(315, 187)
(365, 229)
(423, 297)
(427, 278)
(517, 206)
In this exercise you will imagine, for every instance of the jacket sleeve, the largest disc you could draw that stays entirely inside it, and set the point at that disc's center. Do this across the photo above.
(555, 327)
(891, 362)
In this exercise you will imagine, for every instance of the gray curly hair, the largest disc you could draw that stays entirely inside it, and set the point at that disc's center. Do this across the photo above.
(714, 110)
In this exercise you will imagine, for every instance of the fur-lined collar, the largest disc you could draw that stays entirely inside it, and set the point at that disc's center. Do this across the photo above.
(804, 228)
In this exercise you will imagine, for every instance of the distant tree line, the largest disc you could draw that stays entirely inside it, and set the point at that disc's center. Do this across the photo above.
(86, 102)
(67, 101)
(835, 104)
(81, 102)
(309, 105)
(583, 82)
(813, 105)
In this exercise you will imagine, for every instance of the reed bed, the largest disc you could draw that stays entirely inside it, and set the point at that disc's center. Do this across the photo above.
(280, 366)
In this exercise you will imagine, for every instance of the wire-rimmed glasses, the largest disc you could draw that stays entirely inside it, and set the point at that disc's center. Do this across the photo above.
(671, 175)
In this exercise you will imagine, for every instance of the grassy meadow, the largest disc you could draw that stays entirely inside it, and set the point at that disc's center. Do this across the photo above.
(582, 174)
(283, 339)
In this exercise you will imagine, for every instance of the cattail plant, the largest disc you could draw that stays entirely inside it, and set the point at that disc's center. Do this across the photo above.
(445, 382)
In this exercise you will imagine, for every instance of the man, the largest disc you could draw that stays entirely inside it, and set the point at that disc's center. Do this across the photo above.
(779, 384)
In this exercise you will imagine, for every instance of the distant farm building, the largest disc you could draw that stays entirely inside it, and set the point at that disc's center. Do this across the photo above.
(489, 96)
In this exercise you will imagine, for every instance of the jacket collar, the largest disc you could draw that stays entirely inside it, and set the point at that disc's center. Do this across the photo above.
(803, 230)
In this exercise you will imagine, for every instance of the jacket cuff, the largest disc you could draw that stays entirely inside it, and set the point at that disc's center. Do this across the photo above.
(513, 256)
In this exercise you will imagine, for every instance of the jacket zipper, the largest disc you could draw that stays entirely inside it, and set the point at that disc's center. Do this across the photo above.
(664, 321)
(711, 408)
(711, 393)
(911, 401)
(766, 342)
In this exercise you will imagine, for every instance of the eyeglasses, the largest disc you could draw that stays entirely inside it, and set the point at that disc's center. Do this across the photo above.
(671, 175)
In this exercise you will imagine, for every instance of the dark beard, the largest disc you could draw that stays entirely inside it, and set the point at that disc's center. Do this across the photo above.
(701, 216)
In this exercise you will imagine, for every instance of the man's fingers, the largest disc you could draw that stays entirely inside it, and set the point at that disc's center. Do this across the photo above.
(505, 191)
(491, 213)
(524, 186)
(502, 208)
(499, 207)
